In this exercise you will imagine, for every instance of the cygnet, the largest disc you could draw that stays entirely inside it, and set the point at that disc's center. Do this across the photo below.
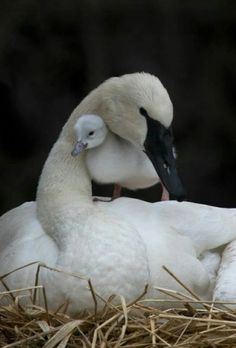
(111, 159)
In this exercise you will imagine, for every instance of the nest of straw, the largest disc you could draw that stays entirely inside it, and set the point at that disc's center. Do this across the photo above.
(196, 323)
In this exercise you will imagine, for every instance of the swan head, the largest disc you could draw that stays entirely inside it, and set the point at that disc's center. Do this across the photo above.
(90, 132)
(132, 94)
(138, 108)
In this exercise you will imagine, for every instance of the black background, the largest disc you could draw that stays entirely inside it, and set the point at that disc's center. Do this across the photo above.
(52, 53)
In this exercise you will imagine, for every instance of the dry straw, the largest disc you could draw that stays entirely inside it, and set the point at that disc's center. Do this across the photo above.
(196, 323)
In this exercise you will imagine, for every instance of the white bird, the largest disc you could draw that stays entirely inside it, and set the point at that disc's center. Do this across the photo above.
(111, 159)
(123, 245)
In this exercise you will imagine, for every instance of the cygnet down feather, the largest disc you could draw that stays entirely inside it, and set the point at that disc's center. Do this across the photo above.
(111, 159)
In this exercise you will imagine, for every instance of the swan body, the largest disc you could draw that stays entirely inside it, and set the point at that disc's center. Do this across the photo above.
(111, 159)
(120, 246)
(118, 263)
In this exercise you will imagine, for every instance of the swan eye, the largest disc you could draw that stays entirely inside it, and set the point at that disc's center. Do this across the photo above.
(91, 133)
(143, 111)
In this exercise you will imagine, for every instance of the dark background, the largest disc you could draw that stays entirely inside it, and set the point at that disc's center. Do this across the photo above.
(52, 53)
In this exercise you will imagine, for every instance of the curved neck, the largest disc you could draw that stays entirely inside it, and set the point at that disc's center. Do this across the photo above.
(64, 173)
(64, 189)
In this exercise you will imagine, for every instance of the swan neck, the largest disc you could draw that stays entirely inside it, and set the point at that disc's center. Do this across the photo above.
(64, 181)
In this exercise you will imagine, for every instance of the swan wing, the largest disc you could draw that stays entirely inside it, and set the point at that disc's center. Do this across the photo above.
(22, 241)
(208, 227)
(225, 288)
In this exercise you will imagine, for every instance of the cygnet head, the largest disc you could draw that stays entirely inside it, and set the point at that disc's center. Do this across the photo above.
(90, 132)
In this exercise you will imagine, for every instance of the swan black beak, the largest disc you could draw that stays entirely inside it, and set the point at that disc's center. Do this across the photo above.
(160, 149)
(79, 147)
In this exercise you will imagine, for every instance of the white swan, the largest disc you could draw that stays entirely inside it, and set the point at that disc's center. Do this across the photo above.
(120, 246)
(112, 159)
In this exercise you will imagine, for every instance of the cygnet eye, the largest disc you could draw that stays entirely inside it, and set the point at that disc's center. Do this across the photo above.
(91, 133)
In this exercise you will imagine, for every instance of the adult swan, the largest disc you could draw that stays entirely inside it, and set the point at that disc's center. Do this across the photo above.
(121, 246)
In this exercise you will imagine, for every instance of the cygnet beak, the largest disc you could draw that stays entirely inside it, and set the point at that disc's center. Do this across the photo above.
(79, 147)
(160, 150)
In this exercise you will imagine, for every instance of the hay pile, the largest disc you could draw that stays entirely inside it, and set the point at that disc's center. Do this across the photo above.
(127, 325)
